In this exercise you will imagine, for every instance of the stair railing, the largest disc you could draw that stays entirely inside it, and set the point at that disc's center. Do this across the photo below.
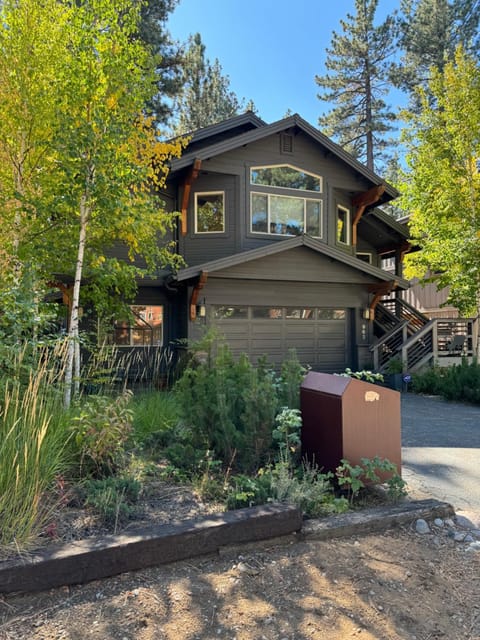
(389, 345)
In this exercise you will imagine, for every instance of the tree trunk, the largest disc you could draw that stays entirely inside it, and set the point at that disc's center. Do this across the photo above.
(73, 333)
(369, 122)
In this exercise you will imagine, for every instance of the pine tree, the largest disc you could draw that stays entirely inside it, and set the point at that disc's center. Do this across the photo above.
(154, 34)
(206, 97)
(359, 62)
(429, 32)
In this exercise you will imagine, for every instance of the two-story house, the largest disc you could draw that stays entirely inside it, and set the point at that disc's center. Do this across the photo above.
(282, 241)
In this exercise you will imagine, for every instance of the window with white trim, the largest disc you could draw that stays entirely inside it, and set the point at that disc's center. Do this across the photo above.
(275, 211)
(364, 256)
(343, 225)
(144, 328)
(210, 212)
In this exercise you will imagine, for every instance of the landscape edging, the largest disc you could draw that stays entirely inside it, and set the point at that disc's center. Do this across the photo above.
(96, 558)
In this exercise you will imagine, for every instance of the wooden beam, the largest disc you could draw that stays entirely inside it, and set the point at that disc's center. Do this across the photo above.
(187, 185)
(362, 201)
(404, 248)
(202, 281)
(380, 290)
(384, 288)
(67, 292)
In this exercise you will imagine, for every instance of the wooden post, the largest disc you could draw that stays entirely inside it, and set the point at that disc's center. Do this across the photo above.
(193, 175)
(435, 340)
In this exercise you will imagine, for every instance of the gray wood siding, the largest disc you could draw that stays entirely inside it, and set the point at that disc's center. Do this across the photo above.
(283, 293)
(198, 248)
(299, 264)
(230, 172)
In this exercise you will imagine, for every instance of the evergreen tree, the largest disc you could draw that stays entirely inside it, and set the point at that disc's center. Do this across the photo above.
(154, 34)
(359, 62)
(206, 97)
(429, 32)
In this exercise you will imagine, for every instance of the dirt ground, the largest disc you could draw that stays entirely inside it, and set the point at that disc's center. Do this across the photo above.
(395, 585)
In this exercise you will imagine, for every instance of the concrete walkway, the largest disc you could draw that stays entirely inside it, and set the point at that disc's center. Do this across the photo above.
(441, 452)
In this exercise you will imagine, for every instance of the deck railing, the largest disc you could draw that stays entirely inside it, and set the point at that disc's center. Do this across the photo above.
(416, 346)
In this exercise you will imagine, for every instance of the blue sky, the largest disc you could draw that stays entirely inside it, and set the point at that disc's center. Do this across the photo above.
(270, 49)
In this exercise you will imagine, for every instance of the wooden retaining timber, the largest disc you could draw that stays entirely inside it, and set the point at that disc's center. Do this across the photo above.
(96, 558)
(103, 557)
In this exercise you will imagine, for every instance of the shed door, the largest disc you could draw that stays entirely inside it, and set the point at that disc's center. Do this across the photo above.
(318, 335)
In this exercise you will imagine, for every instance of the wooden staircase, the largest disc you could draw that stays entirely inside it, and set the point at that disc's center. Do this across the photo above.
(404, 333)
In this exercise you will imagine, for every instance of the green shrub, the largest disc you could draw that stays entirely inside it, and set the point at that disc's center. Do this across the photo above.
(287, 435)
(229, 407)
(155, 416)
(291, 377)
(113, 499)
(354, 478)
(458, 382)
(248, 491)
(306, 488)
(365, 375)
(101, 431)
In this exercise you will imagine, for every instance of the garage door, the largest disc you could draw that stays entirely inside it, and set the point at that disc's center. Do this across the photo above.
(318, 335)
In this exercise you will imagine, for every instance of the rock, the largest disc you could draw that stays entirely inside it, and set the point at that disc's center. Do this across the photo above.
(421, 526)
(459, 536)
(464, 522)
(469, 538)
(449, 522)
(438, 522)
(475, 533)
(473, 546)
(245, 568)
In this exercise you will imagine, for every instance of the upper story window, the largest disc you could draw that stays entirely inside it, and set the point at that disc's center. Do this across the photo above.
(364, 256)
(274, 211)
(143, 329)
(286, 177)
(343, 225)
(210, 212)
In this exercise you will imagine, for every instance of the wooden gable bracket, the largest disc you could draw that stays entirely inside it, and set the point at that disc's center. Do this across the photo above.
(362, 201)
(66, 290)
(187, 185)
(202, 281)
(67, 295)
(380, 290)
(405, 248)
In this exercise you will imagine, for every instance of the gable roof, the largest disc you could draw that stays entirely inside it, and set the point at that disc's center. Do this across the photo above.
(231, 127)
(231, 142)
(284, 245)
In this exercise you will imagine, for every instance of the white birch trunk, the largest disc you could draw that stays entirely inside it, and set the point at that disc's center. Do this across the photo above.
(73, 350)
